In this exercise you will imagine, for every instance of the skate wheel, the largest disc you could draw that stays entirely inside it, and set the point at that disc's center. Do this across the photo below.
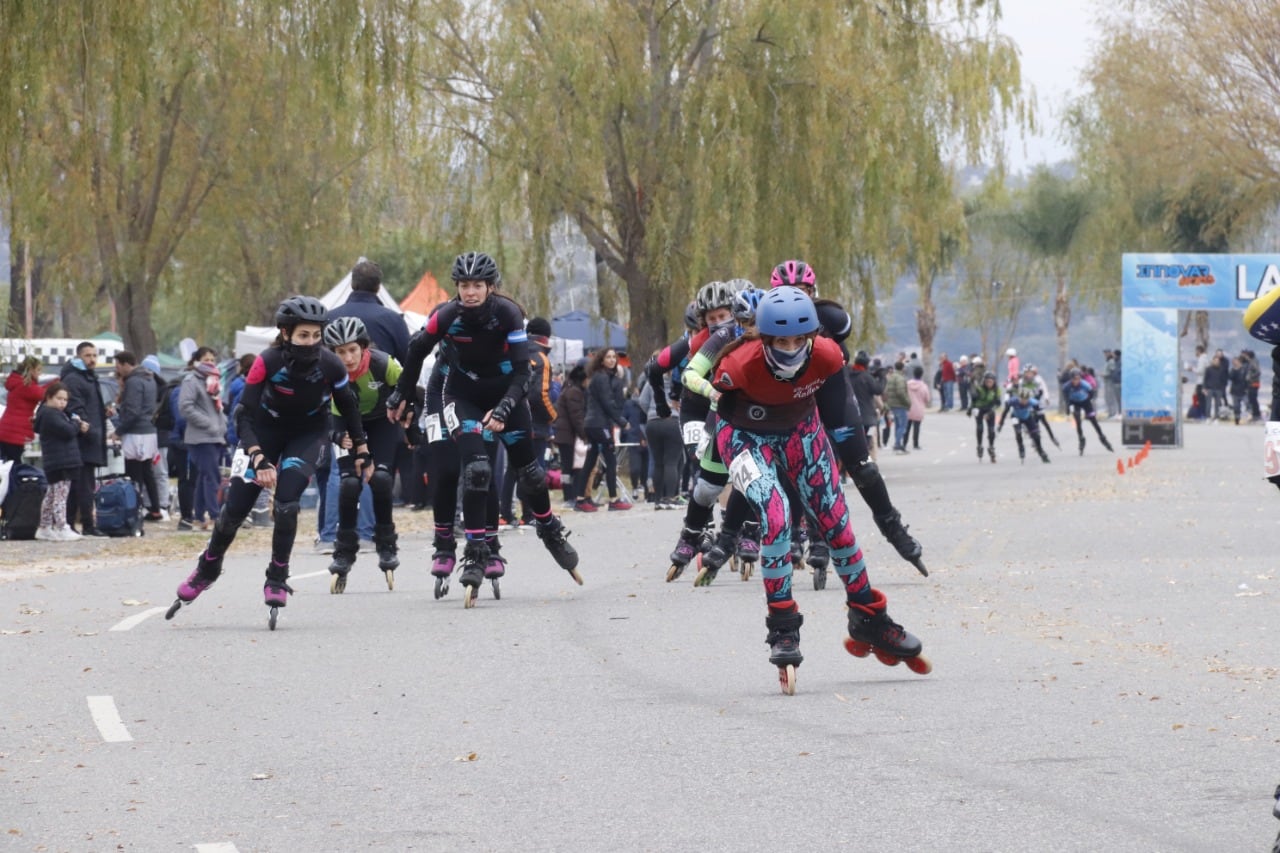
(497, 591)
(887, 659)
(391, 578)
(856, 648)
(442, 588)
(271, 620)
(919, 665)
(747, 568)
(819, 579)
(704, 577)
(337, 584)
(573, 573)
(674, 572)
(173, 608)
(733, 564)
(787, 679)
(468, 597)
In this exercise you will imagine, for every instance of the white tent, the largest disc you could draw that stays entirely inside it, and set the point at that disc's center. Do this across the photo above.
(254, 339)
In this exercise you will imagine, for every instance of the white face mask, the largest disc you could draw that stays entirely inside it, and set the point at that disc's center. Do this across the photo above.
(785, 365)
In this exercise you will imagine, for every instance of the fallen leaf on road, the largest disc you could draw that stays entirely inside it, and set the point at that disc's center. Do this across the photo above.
(470, 756)
(258, 777)
(133, 602)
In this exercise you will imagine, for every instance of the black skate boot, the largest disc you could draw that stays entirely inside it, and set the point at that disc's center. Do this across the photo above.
(819, 559)
(1044, 457)
(384, 542)
(276, 590)
(717, 555)
(872, 631)
(474, 559)
(345, 547)
(784, 645)
(892, 528)
(442, 562)
(748, 549)
(991, 451)
(1106, 443)
(207, 571)
(556, 539)
(1082, 445)
(980, 453)
(687, 547)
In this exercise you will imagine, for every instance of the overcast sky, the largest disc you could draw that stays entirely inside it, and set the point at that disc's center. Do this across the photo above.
(1055, 40)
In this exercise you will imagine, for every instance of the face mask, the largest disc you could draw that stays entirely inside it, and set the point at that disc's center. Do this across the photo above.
(303, 355)
(479, 313)
(785, 365)
(78, 363)
(727, 324)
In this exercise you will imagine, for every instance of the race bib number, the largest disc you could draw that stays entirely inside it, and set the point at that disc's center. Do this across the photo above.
(744, 471)
(1271, 450)
(433, 429)
(451, 422)
(239, 464)
(703, 443)
(694, 433)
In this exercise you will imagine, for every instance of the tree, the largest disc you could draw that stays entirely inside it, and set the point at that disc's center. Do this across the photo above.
(691, 141)
(1050, 213)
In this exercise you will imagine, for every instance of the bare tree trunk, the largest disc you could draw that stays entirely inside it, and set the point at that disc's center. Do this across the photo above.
(1062, 320)
(1202, 329)
(135, 309)
(927, 329)
(17, 294)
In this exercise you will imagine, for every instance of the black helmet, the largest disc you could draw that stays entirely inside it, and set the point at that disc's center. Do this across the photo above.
(345, 330)
(692, 319)
(301, 309)
(476, 266)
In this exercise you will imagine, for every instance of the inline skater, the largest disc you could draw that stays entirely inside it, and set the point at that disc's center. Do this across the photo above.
(283, 421)
(770, 431)
(838, 410)
(1079, 395)
(984, 401)
(1026, 415)
(484, 390)
(372, 375)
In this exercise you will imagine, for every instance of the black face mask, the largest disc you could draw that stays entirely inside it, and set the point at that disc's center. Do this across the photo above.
(302, 355)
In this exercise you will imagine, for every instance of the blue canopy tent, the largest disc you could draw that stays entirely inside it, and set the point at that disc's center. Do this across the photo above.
(594, 332)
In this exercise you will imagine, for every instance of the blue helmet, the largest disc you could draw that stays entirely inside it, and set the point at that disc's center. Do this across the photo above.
(786, 311)
(746, 303)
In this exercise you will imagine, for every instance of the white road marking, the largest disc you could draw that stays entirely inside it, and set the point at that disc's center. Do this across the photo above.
(136, 619)
(220, 847)
(107, 719)
(308, 575)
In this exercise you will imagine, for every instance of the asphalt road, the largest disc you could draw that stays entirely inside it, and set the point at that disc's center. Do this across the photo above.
(1104, 679)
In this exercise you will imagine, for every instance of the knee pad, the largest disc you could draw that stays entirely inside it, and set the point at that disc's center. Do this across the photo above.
(476, 476)
(531, 478)
(706, 494)
(866, 474)
(349, 488)
(287, 515)
(382, 481)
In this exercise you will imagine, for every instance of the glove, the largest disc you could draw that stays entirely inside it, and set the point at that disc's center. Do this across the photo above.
(363, 460)
(413, 434)
(259, 462)
(394, 399)
(502, 411)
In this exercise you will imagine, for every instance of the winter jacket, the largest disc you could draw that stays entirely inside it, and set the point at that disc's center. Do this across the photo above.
(137, 403)
(921, 397)
(865, 390)
(86, 401)
(895, 391)
(604, 400)
(206, 424)
(386, 326)
(24, 396)
(59, 450)
(571, 414)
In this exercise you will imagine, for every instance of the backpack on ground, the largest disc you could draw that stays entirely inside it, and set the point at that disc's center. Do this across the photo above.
(21, 508)
(117, 509)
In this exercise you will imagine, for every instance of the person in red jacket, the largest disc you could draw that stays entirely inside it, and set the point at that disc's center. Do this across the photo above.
(769, 431)
(25, 393)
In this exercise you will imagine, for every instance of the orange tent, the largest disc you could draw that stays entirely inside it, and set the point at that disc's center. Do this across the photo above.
(426, 295)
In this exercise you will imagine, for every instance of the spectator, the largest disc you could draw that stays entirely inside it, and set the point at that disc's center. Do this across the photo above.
(1237, 378)
(1215, 387)
(179, 461)
(134, 426)
(60, 454)
(1253, 381)
(200, 402)
(160, 464)
(25, 393)
(898, 399)
(85, 401)
(964, 377)
(666, 446)
(948, 370)
(570, 428)
(386, 326)
(921, 399)
(867, 389)
(638, 455)
(605, 396)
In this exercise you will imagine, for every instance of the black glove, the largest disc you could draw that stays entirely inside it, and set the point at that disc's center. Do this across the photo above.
(502, 411)
(362, 460)
(413, 435)
(394, 399)
(259, 462)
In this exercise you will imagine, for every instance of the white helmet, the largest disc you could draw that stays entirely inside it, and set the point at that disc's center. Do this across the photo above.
(1011, 351)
